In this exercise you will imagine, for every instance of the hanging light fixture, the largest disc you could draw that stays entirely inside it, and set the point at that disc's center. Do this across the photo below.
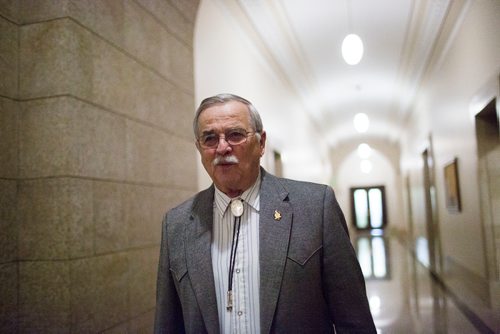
(361, 122)
(352, 49)
(352, 45)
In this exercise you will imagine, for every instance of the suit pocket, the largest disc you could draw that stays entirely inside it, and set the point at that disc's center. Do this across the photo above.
(302, 255)
(178, 269)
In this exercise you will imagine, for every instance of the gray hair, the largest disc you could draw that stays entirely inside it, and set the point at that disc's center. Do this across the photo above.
(255, 120)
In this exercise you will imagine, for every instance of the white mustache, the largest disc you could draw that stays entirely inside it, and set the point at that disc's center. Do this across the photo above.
(226, 159)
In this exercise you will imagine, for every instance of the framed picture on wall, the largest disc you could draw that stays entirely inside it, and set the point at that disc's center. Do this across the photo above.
(452, 187)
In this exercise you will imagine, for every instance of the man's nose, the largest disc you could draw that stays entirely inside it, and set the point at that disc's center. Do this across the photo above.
(223, 146)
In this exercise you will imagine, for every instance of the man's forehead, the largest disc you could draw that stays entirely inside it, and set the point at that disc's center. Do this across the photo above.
(224, 113)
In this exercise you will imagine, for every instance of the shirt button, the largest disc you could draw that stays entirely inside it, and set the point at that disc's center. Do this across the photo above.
(240, 313)
(237, 271)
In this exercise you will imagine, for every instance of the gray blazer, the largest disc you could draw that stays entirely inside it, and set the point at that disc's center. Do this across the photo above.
(310, 279)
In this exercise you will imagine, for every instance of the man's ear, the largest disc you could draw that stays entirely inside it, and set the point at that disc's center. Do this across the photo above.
(262, 143)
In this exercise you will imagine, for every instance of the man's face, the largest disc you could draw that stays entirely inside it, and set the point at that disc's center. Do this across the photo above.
(232, 168)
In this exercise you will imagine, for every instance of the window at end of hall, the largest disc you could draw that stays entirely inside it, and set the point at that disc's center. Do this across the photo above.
(368, 207)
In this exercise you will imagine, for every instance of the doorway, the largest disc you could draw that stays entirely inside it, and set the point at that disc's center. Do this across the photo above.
(432, 224)
(488, 148)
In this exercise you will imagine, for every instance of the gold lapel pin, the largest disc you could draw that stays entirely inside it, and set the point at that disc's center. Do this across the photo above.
(277, 215)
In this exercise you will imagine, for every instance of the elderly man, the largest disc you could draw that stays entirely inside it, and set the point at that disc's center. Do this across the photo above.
(255, 253)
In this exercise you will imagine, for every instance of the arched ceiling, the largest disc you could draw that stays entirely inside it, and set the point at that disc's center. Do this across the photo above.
(302, 40)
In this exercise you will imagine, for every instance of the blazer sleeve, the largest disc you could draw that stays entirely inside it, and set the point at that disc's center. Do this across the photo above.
(168, 317)
(343, 280)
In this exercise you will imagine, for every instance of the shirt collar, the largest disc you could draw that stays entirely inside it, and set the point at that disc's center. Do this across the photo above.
(250, 196)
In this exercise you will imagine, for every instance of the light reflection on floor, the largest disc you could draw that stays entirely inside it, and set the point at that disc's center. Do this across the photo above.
(403, 297)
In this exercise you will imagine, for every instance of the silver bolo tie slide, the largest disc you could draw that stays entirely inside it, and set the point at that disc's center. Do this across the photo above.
(237, 207)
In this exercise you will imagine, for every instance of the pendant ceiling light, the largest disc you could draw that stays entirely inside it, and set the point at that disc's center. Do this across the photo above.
(352, 45)
(361, 122)
(352, 49)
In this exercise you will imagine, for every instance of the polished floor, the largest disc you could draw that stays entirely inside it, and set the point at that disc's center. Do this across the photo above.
(403, 296)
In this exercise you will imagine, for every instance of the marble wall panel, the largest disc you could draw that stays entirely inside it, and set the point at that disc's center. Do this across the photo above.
(8, 138)
(162, 156)
(8, 221)
(105, 18)
(8, 297)
(172, 18)
(55, 59)
(110, 281)
(29, 11)
(120, 328)
(143, 214)
(10, 10)
(152, 31)
(64, 136)
(138, 30)
(77, 213)
(181, 64)
(62, 58)
(103, 156)
(99, 297)
(139, 143)
(42, 231)
(109, 218)
(55, 219)
(148, 40)
(169, 108)
(177, 196)
(9, 52)
(156, 156)
(44, 297)
(140, 33)
(188, 8)
(143, 264)
(127, 87)
(142, 323)
(182, 164)
(83, 295)
(178, 103)
(146, 208)
(47, 145)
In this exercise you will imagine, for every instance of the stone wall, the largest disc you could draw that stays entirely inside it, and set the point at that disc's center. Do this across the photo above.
(96, 102)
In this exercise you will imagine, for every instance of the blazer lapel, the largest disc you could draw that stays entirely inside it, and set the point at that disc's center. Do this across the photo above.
(274, 233)
(199, 258)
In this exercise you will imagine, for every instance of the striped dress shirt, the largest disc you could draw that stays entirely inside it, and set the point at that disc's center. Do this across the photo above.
(245, 314)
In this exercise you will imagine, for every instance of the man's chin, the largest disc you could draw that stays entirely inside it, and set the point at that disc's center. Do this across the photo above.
(225, 177)
(224, 168)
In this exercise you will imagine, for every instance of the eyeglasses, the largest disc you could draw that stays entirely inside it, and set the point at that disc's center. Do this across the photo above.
(232, 137)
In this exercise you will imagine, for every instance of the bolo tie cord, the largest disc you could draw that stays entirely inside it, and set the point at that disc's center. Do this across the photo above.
(232, 261)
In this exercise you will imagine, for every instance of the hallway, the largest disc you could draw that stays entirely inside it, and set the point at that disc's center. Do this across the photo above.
(404, 298)
(96, 144)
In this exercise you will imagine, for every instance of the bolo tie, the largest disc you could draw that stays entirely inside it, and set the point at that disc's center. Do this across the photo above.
(237, 211)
